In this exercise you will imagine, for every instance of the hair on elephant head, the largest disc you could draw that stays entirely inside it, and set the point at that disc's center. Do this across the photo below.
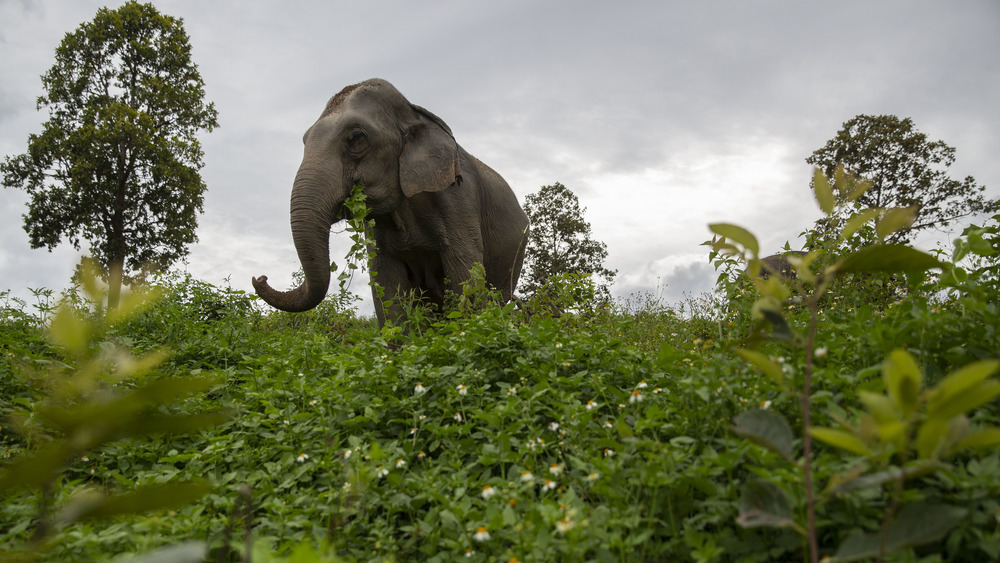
(437, 209)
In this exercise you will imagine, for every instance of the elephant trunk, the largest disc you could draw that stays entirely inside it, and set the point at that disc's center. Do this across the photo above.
(315, 205)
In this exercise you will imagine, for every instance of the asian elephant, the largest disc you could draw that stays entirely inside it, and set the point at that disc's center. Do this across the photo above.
(437, 209)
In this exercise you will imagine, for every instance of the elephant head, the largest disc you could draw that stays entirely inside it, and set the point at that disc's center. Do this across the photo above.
(368, 135)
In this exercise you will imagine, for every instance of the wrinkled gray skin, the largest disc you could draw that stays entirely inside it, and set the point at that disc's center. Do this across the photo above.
(779, 264)
(437, 209)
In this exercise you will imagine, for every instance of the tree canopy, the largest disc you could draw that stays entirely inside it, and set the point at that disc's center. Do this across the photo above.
(559, 241)
(905, 169)
(117, 163)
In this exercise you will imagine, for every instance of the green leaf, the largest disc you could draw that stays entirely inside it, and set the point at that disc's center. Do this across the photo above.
(737, 234)
(919, 469)
(916, 524)
(981, 438)
(894, 220)
(35, 469)
(960, 380)
(768, 429)
(764, 504)
(965, 401)
(823, 192)
(886, 258)
(69, 330)
(903, 380)
(881, 407)
(857, 221)
(769, 367)
(158, 496)
(841, 439)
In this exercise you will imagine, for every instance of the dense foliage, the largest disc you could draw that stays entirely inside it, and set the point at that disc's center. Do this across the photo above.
(117, 162)
(560, 242)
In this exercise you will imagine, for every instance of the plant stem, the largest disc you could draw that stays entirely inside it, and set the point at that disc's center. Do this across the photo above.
(806, 423)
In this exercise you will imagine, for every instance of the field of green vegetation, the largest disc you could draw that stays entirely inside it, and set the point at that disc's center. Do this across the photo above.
(197, 426)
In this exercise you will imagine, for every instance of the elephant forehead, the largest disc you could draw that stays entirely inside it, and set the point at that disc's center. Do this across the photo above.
(366, 95)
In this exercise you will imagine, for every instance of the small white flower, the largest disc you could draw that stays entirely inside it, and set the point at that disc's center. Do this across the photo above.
(302, 457)
(555, 469)
(468, 552)
(462, 390)
(458, 416)
(641, 385)
(313, 403)
(347, 454)
(564, 525)
(400, 463)
(657, 390)
(607, 424)
(527, 477)
(608, 452)
(419, 388)
(593, 477)
(821, 353)
(591, 405)
(636, 397)
(421, 454)
(481, 535)
(413, 431)
(285, 422)
(488, 491)
(765, 404)
(558, 344)
(85, 459)
(381, 471)
(549, 485)
(512, 391)
(300, 374)
(553, 426)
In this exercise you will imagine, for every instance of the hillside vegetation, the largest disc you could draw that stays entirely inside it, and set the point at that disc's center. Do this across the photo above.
(199, 426)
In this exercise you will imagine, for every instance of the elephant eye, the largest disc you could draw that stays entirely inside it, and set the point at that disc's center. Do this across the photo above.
(357, 141)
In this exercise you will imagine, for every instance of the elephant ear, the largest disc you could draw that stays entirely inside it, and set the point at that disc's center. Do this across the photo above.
(429, 161)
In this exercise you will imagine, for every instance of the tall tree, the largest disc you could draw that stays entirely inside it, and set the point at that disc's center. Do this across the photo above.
(559, 241)
(117, 163)
(905, 170)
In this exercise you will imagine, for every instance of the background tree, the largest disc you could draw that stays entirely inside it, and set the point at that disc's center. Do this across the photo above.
(559, 241)
(905, 169)
(117, 162)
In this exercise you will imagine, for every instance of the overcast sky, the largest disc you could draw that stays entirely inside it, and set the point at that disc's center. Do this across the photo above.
(661, 116)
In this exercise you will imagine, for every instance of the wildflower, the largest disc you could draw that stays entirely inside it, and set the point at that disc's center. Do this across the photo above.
(591, 405)
(607, 424)
(566, 364)
(302, 457)
(657, 391)
(512, 391)
(458, 417)
(421, 454)
(512, 502)
(419, 388)
(821, 353)
(400, 463)
(765, 404)
(641, 385)
(549, 485)
(555, 469)
(85, 459)
(636, 397)
(347, 454)
(462, 390)
(381, 471)
(313, 403)
(593, 477)
(527, 477)
(468, 552)
(413, 431)
(488, 491)
(300, 374)
(481, 535)
(564, 525)
(608, 452)
(558, 344)
(553, 426)
(285, 422)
